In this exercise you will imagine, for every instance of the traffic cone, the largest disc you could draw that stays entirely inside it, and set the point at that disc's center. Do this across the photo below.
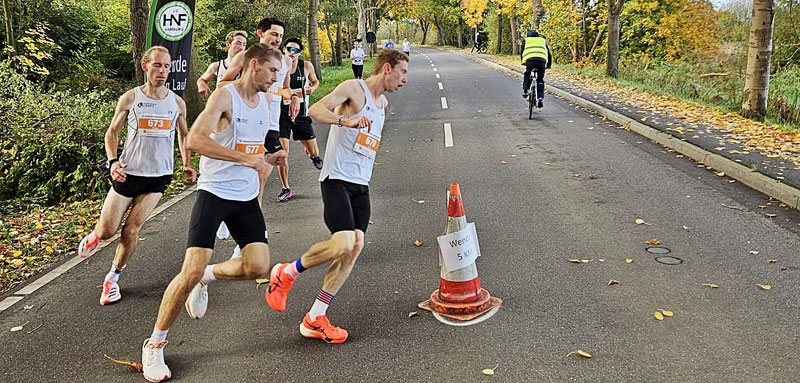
(460, 295)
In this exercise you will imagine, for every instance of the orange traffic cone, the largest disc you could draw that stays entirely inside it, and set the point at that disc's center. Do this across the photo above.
(460, 295)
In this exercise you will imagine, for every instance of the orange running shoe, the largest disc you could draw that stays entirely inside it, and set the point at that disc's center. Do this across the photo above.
(279, 285)
(322, 329)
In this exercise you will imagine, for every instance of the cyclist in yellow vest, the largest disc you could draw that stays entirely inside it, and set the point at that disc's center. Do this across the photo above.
(535, 55)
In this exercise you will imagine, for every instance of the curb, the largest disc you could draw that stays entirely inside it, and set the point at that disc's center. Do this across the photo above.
(750, 177)
(59, 270)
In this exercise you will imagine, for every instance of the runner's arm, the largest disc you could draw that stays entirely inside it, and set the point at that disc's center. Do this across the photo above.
(208, 75)
(294, 104)
(312, 77)
(322, 110)
(237, 64)
(183, 132)
(111, 139)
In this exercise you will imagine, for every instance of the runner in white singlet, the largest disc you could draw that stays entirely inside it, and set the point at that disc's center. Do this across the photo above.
(235, 41)
(356, 131)
(229, 134)
(154, 115)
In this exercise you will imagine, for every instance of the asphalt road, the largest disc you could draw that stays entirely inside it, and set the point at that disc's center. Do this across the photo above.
(532, 214)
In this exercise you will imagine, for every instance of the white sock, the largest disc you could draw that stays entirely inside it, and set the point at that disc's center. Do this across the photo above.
(320, 306)
(208, 275)
(113, 275)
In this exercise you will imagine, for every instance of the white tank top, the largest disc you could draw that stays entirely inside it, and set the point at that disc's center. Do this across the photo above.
(276, 97)
(150, 144)
(231, 180)
(221, 70)
(343, 153)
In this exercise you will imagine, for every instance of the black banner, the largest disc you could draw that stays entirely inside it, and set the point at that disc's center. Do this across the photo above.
(171, 26)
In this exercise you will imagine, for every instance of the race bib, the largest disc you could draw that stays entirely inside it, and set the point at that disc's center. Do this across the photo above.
(298, 92)
(275, 93)
(366, 144)
(155, 126)
(249, 145)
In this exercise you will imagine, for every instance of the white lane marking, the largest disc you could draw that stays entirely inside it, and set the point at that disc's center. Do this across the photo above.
(435, 70)
(441, 87)
(437, 75)
(432, 64)
(448, 135)
(8, 302)
(444, 103)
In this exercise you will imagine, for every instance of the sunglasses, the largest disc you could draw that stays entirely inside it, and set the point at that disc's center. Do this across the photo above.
(293, 49)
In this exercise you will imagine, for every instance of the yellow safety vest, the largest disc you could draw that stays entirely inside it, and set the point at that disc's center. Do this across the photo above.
(534, 48)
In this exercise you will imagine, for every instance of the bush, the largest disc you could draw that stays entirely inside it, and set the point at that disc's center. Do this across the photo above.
(51, 141)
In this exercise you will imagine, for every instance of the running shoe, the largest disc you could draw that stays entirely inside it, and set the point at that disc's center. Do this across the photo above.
(322, 329)
(285, 195)
(197, 302)
(110, 293)
(223, 232)
(524, 94)
(88, 245)
(153, 366)
(540, 104)
(279, 285)
(317, 162)
(237, 252)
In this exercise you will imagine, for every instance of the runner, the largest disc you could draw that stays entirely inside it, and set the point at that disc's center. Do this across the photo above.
(229, 134)
(407, 47)
(356, 129)
(153, 114)
(302, 82)
(357, 55)
(235, 41)
(270, 32)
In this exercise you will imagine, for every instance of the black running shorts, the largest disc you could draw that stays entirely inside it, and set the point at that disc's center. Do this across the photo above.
(346, 205)
(300, 129)
(272, 141)
(243, 218)
(137, 185)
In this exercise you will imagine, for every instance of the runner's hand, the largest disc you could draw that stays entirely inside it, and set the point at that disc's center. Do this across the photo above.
(116, 171)
(256, 162)
(277, 158)
(294, 108)
(202, 88)
(359, 123)
(309, 90)
(191, 174)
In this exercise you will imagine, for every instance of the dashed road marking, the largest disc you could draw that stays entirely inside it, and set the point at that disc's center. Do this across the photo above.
(444, 103)
(441, 87)
(448, 135)
(435, 70)
(437, 75)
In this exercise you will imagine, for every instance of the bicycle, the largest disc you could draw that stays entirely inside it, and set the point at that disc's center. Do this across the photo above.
(480, 48)
(532, 99)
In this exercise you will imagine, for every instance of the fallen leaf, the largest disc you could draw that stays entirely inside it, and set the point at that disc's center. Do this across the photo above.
(612, 311)
(262, 281)
(711, 285)
(666, 313)
(613, 282)
(628, 260)
(371, 222)
(585, 260)
(764, 287)
(772, 260)
(658, 315)
(721, 174)
(49, 249)
(411, 314)
(652, 241)
(17, 328)
(17, 253)
(135, 365)
(39, 226)
(504, 162)
(420, 201)
(685, 228)
(28, 307)
(490, 371)
(771, 215)
(579, 352)
(753, 252)
(417, 243)
(601, 260)
(639, 221)
(592, 176)
(590, 128)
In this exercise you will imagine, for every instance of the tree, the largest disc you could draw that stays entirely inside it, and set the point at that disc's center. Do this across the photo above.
(139, 14)
(313, 38)
(9, 26)
(612, 49)
(538, 13)
(756, 86)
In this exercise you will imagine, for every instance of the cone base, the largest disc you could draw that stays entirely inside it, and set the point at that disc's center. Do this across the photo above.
(461, 311)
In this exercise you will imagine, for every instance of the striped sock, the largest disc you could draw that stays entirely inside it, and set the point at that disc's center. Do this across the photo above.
(208, 275)
(320, 305)
(158, 335)
(294, 268)
(113, 275)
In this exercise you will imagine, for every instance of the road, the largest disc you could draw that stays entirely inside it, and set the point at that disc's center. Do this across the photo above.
(532, 214)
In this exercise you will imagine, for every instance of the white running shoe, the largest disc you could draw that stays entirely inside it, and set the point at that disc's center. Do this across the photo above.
(88, 245)
(153, 366)
(223, 232)
(237, 252)
(197, 302)
(110, 293)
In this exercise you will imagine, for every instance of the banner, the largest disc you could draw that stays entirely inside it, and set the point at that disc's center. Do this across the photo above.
(171, 25)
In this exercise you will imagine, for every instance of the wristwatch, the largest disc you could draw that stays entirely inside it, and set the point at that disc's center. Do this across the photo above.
(111, 161)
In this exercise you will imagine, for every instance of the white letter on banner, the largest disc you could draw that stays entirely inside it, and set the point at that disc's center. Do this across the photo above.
(459, 249)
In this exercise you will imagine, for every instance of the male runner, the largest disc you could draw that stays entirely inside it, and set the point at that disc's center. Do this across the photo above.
(229, 134)
(302, 82)
(153, 114)
(356, 127)
(235, 41)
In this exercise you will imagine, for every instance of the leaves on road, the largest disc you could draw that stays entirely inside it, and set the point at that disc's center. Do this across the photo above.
(711, 285)
(135, 365)
(641, 222)
(753, 252)
(579, 353)
(658, 315)
(490, 371)
(628, 260)
(411, 314)
(613, 282)
(764, 287)
(652, 241)
(666, 313)
(18, 328)
(417, 243)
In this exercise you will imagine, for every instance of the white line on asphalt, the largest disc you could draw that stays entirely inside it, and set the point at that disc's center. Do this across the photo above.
(435, 70)
(448, 135)
(437, 75)
(66, 266)
(432, 64)
(441, 87)
(444, 103)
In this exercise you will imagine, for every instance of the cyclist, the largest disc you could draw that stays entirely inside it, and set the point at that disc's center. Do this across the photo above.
(535, 54)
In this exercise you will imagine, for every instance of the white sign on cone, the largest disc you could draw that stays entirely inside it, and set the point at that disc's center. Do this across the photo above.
(459, 249)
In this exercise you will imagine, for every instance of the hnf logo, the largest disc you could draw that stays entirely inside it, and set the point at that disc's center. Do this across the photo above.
(174, 20)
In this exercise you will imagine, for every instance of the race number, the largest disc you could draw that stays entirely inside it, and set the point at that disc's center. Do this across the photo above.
(155, 126)
(367, 144)
(249, 145)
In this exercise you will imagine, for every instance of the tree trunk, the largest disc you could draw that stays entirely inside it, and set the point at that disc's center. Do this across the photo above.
(338, 54)
(313, 39)
(194, 102)
(362, 20)
(538, 13)
(140, 10)
(597, 40)
(424, 25)
(612, 50)
(499, 47)
(10, 42)
(397, 31)
(327, 26)
(438, 23)
(460, 33)
(514, 36)
(756, 85)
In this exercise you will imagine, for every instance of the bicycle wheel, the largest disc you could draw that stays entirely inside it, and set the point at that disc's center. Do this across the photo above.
(532, 97)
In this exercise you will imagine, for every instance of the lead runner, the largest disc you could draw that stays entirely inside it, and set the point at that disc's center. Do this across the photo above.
(356, 127)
